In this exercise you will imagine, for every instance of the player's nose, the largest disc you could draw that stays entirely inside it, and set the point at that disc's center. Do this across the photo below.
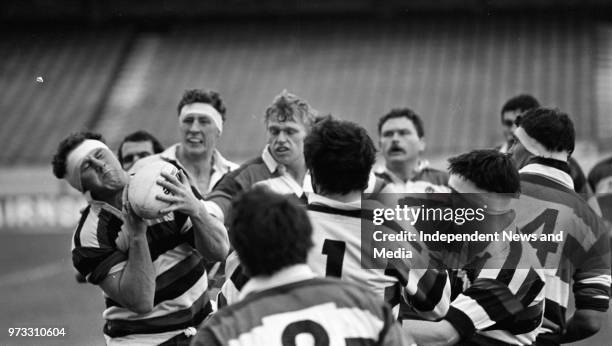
(195, 127)
(96, 163)
(282, 136)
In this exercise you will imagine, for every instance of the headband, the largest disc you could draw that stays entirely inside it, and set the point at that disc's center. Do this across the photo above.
(204, 109)
(537, 149)
(76, 157)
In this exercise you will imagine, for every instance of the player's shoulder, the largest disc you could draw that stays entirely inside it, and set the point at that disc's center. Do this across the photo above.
(96, 227)
(547, 190)
(333, 302)
(539, 193)
(311, 292)
(252, 170)
(87, 224)
(433, 175)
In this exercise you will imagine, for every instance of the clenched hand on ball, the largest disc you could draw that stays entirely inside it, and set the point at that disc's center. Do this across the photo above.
(211, 240)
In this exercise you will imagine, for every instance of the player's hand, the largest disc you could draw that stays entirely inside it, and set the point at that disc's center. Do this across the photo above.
(181, 198)
(134, 223)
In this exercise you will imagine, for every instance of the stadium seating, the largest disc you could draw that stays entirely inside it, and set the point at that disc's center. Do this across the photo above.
(75, 68)
(456, 73)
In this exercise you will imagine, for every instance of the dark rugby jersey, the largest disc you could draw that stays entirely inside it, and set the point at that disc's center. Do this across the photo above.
(219, 200)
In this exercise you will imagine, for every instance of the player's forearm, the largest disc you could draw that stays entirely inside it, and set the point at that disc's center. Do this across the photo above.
(431, 333)
(210, 236)
(581, 325)
(433, 303)
(137, 285)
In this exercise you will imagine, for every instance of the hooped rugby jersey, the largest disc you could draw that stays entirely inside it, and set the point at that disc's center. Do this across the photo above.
(548, 205)
(301, 310)
(503, 297)
(100, 247)
(499, 296)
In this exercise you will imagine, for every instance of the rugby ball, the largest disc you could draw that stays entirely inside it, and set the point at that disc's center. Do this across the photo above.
(143, 188)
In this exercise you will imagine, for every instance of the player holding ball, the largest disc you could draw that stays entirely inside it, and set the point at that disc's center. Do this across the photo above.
(150, 270)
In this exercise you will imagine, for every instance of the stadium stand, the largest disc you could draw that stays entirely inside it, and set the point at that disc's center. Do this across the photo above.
(363, 69)
(76, 68)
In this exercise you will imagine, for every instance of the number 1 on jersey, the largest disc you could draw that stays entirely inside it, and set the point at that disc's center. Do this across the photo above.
(334, 249)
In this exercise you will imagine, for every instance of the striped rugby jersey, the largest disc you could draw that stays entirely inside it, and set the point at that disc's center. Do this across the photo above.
(100, 247)
(302, 309)
(337, 251)
(503, 298)
(548, 205)
(499, 296)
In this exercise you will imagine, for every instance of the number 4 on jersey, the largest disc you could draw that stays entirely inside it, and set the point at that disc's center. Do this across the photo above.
(548, 218)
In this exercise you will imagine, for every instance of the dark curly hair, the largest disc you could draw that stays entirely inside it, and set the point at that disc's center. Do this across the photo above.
(339, 155)
(66, 146)
(202, 96)
(488, 169)
(269, 232)
(550, 127)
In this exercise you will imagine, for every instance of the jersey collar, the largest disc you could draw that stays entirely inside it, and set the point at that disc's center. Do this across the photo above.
(219, 163)
(269, 160)
(422, 164)
(313, 198)
(549, 172)
(291, 274)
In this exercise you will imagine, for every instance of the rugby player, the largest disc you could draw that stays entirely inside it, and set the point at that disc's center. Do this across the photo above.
(340, 156)
(402, 141)
(151, 272)
(135, 146)
(510, 112)
(281, 164)
(502, 301)
(285, 184)
(284, 303)
(544, 140)
(288, 119)
(201, 115)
